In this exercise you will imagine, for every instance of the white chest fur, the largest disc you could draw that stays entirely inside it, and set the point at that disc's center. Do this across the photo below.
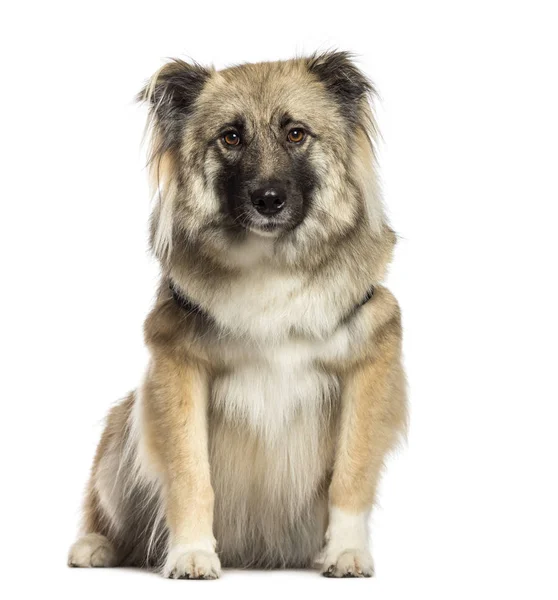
(268, 385)
(271, 447)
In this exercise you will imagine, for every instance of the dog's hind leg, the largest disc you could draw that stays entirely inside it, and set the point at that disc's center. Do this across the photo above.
(102, 512)
(93, 548)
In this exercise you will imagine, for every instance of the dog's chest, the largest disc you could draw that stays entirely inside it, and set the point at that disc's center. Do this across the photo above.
(272, 429)
(269, 386)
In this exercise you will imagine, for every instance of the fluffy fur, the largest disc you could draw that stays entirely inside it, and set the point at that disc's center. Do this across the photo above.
(259, 432)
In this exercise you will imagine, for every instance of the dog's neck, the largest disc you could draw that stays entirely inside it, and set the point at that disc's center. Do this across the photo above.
(189, 306)
(264, 301)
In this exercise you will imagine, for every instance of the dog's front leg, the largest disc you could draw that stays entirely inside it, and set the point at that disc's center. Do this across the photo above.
(175, 418)
(373, 415)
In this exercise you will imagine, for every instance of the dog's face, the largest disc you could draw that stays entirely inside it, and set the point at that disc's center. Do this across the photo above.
(280, 150)
(262, 152)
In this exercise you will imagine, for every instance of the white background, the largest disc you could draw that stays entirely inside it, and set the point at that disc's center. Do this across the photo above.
(468, 111)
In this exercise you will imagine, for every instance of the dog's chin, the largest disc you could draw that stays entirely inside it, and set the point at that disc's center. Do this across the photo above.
(268, 228)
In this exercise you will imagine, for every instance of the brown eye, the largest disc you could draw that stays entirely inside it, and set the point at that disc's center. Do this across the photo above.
(231, 138)
(296, 135)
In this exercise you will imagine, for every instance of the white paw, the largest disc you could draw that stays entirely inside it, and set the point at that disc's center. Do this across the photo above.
(346, 550)
(184, 563)
(348, 563)
(92, 550)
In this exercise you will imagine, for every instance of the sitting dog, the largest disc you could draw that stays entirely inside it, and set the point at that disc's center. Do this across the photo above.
(275, 388)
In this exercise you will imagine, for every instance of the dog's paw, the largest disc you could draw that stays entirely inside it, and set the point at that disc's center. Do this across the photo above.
(348, 563)
(92, 550)
(185, 563)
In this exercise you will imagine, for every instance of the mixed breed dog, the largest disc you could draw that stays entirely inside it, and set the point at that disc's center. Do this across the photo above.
(275, 388)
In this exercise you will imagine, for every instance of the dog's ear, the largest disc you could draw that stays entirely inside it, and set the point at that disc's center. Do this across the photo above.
(171, 94)
(343, 79)
(352, 91)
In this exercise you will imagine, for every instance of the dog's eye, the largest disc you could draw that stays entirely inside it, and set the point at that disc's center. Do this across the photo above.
(296, 136)
(231, 138)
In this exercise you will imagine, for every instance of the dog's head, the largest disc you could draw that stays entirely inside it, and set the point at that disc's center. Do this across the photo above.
(282, 150)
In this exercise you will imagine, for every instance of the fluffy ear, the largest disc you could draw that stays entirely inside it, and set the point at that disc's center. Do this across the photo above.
(171, 93)
(351, 90)
(342, 78)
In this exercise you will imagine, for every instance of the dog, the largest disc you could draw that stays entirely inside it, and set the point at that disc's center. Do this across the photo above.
(275, 388)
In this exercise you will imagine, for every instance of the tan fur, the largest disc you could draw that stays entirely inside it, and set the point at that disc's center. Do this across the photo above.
(262, 425)
(372, 417)
(94, 520)
(175, 404)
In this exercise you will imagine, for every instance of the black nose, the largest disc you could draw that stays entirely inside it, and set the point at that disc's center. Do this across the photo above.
(269, 200)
